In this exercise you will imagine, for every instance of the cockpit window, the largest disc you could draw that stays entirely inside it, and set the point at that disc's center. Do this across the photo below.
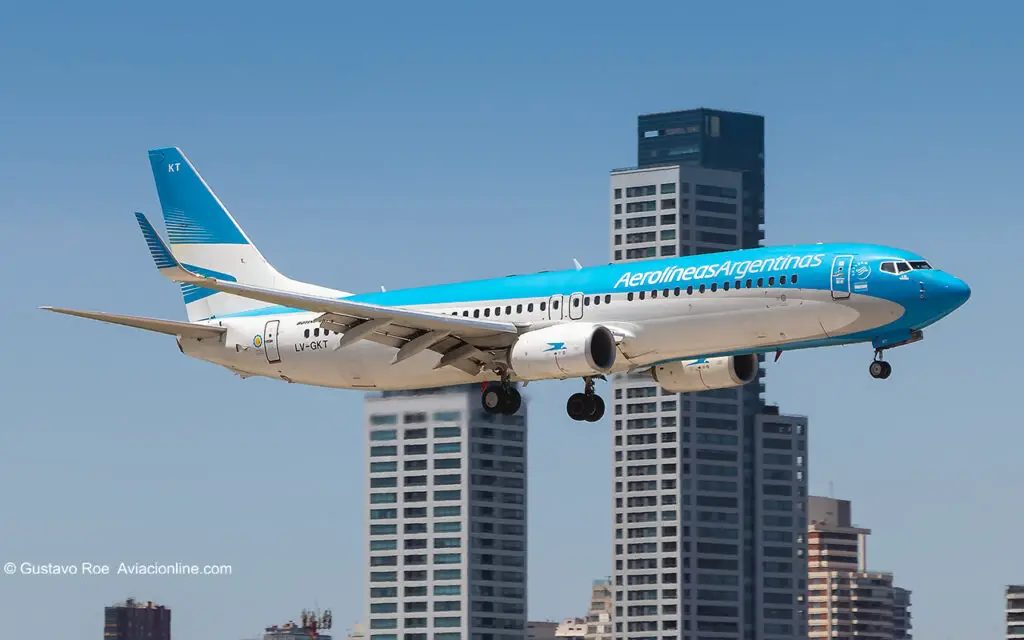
(903, 267)
(920, 264)
(889, 267)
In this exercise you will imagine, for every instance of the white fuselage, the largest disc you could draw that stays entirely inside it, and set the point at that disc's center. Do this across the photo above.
(292, 346)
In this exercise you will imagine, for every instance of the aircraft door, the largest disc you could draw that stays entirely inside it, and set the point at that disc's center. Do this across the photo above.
(270, 345)
(576, 306)
(841, 268)
(555, 308)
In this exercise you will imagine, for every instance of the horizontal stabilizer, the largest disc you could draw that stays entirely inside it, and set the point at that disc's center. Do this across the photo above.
(169, 327)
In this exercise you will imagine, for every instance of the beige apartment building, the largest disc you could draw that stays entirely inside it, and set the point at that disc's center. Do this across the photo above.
(845, 599)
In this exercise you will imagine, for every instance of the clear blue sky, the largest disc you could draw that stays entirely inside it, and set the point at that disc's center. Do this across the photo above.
(418, 144)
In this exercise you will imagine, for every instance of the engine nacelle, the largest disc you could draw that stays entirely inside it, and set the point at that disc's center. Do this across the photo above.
(570, 350)
(702, 375)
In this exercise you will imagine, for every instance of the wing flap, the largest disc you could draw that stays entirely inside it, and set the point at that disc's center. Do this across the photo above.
(168, 327)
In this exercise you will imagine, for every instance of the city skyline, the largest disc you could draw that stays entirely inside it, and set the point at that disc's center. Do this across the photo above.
(363, 150)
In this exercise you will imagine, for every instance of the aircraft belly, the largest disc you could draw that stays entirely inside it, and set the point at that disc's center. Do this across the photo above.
(857, 313)
(732, 323)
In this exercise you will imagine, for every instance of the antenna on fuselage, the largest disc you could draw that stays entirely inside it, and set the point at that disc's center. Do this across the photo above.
(383, 290)
(577, 263)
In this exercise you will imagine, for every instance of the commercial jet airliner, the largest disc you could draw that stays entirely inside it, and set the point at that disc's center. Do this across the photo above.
(691, 323)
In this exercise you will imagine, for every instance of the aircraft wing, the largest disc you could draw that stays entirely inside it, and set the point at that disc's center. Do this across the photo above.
(169, 327)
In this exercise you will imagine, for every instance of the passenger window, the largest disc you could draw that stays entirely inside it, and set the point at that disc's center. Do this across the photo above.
(306, 333)
(793, 279)
(739, 284)
(543, 306)
(597, 300)
(465, 313)
(701, 288)
(760, 282)
(316, 333)
(508, 310)
(689, 290)
(771, 281)
(629, 296)
(654, 294)
(575, 302)
(782, 279)
(725, 286)
(608, 299)
(554, 305)
(677, 291)
(519, 308)
(487, 312)
(714, 287)
(529, 306)
(497, 311)
(476, 313)
(665, 293)
(642, 294)
(888, 267)
(750, 283)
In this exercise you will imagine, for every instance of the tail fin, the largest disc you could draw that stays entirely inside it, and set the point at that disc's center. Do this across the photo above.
(204, 237)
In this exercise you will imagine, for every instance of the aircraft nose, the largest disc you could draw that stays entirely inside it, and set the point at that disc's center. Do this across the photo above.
(956, 291)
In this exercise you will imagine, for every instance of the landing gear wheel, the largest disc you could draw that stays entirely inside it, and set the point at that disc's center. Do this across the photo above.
(577, 406)
(497, 398)
(596, 408)
(880, 369)
(513, 400)
(492, 399)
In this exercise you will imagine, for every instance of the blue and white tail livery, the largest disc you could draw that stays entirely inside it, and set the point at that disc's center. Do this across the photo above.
(692, 323)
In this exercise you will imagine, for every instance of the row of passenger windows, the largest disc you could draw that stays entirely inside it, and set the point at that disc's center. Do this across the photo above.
(714, 287)
(607, 298)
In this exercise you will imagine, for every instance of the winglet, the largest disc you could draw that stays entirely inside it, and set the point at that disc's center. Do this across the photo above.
(166, 263)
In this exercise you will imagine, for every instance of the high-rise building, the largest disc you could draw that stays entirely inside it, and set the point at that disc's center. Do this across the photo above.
(1015, 612)
(133, 620)
(710, 488)
(845, 599)
(447, 517)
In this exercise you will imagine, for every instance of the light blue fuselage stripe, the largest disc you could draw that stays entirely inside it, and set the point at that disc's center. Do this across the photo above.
(610, 278)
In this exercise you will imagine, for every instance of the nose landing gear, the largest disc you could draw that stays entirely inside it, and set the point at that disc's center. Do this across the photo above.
(586, 406)
(880, 369)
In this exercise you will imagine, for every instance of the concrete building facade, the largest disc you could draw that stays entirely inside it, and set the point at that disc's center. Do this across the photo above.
(845, 599)
(1015, 612)
(447, 517)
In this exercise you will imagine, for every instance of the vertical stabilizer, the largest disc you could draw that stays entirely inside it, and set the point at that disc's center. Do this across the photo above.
(206, 239)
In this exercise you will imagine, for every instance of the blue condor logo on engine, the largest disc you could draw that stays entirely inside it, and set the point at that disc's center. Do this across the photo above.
(729, 269)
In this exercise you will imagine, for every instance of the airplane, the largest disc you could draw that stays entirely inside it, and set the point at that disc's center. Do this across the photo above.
(691, 323)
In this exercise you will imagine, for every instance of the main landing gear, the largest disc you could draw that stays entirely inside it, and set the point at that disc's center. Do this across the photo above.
(501, 398)
(586, 406)
(880, 369)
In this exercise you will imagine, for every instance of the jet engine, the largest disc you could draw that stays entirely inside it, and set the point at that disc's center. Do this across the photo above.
(569, 350)
(687, 376)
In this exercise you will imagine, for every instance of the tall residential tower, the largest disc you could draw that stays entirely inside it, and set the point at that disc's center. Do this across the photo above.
(710, 488)
(447, 517)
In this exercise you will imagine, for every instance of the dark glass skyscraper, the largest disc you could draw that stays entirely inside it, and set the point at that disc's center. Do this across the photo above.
(710, 488)
(711, 139)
